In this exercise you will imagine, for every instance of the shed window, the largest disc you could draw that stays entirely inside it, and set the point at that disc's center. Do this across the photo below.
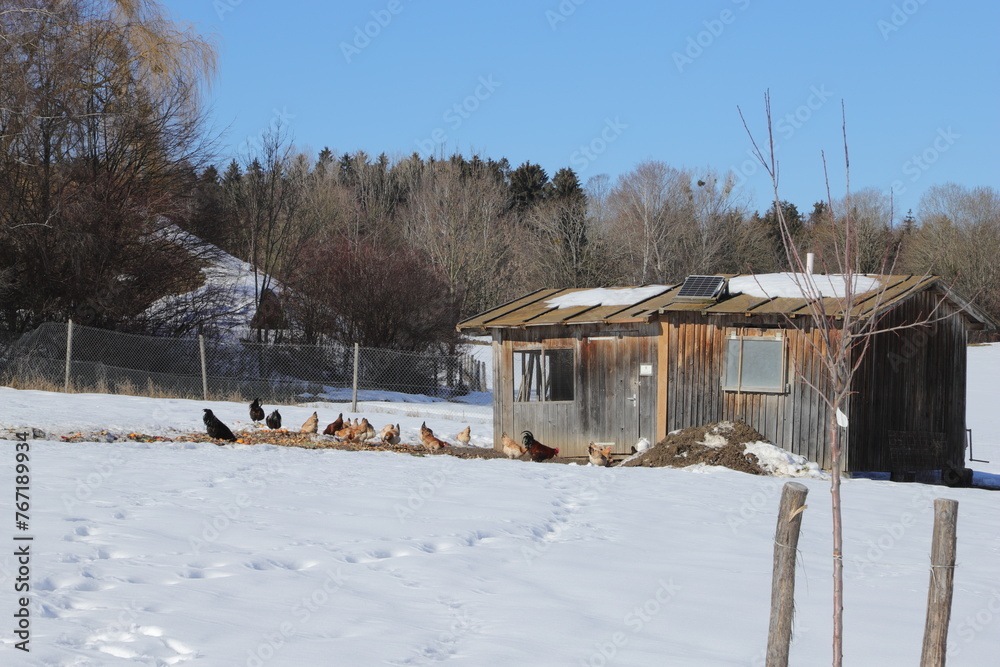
(543, 375)
(755, 363)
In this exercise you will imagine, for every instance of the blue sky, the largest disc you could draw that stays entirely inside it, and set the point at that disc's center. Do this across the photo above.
(601, 86)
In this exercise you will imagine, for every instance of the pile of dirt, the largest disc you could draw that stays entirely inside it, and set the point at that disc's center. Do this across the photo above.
(716, 444)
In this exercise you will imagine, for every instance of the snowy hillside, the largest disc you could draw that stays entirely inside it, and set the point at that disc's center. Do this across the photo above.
(183, 553)
(227, 289)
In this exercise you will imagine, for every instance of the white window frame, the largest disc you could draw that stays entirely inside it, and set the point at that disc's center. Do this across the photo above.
(739, 387)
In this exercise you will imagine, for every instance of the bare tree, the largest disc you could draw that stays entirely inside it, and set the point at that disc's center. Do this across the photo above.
(645, 213)
(668, 223)
(376, 296)
(266, 203)
(844, 336)
(461, 222)
(718, 238)
(873, 242)
(959, 236)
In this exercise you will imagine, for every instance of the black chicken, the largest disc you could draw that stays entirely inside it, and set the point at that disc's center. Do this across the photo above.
(274, 420)
(256, 412)
(216, 429)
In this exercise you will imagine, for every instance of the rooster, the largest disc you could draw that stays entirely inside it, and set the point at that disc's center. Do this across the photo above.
(389, 434)
(216, 429)
(465, 436)
(311, 425)
(536, 450)
(256, 412)
(274, 420)
(512, 449)
(429, 440)
(335, 425)
(599, 456)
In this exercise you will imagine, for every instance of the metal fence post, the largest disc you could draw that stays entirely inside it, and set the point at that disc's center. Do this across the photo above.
(354, 384)
(69, 352)
(204, 367)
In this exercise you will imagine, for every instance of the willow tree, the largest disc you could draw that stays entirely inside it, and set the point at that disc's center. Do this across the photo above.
(100, 129)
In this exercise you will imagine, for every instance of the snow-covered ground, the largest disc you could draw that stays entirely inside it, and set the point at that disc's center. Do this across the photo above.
(177, 553)
(228, 289)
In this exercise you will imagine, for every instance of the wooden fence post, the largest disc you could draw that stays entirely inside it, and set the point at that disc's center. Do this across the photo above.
(786, 540)
(354, 384)
(69, 353)
(942, 578)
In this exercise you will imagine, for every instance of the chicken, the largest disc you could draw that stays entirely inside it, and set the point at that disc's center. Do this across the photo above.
(429, 440)
(465, 436)
(274, 420)
(256, 412)
(356, 431)
(216, 429)
(599, 456)
(365, 431)
(537, 452)
(512, 449)
(335, 425)
(311, 425)
(641, 446)
(389, 434)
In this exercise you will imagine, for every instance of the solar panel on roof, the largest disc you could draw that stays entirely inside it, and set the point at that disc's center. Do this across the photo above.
(701, 287)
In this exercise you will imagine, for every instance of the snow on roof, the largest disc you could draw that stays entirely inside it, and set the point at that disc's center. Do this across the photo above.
(606, 296)
(791, 285)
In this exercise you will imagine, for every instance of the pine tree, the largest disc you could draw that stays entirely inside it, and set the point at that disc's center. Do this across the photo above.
(794, 226)
(233, 174)
(324, 160)
(909, 223)
(571, 233)
(527, 186)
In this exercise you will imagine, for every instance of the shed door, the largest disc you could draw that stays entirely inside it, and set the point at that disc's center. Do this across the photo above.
(611, 368)
(628, 380)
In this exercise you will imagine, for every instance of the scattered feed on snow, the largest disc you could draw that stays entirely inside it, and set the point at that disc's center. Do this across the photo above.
(279, 437)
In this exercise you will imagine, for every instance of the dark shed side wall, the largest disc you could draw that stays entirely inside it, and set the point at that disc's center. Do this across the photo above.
(912, 380)
(695, 348)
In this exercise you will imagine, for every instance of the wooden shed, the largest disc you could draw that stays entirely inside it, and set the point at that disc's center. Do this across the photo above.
(614, 365)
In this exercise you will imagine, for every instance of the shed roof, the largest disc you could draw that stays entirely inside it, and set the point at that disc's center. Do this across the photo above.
(764, 296)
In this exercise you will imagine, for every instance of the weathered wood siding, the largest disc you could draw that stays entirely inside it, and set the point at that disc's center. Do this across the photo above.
(695, 350)
(912, 380)
(606, 377)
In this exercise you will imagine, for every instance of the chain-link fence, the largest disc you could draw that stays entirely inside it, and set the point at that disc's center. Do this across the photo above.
(78, 358)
